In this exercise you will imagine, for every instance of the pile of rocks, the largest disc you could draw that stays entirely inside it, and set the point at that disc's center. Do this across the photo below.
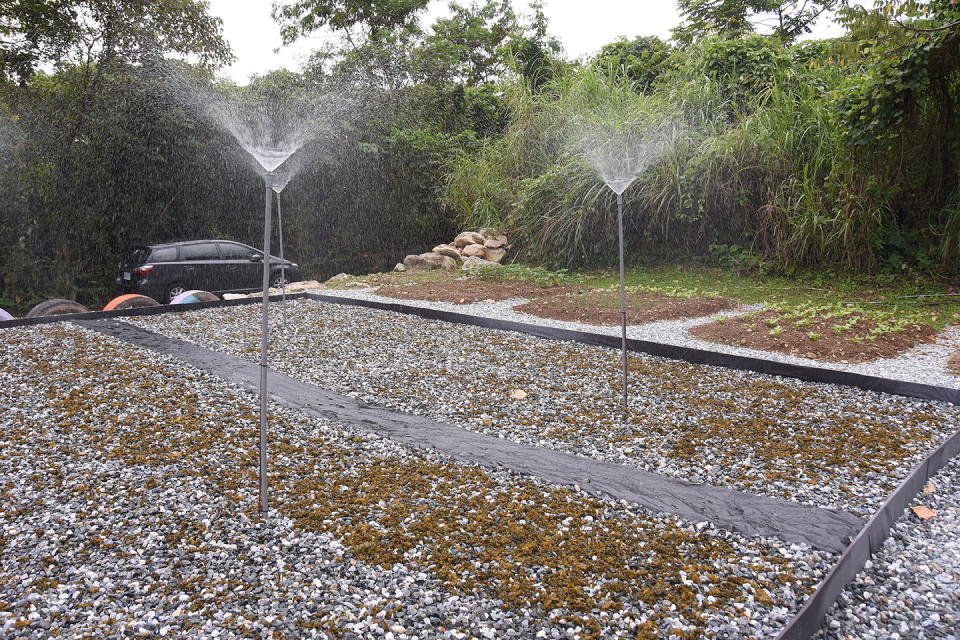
(468, 250)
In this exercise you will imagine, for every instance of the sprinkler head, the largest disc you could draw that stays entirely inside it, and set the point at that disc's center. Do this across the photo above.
(268, 179)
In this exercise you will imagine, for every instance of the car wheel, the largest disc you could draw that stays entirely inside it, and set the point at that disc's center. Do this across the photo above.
(175, 289)
(194, 295)
(56, 307)
(130, 301)
(278, 280)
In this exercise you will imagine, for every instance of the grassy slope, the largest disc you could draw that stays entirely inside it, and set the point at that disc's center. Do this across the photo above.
(875, 297)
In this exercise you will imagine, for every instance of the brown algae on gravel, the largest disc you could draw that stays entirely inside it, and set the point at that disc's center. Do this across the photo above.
(569, 557)
(818, 444)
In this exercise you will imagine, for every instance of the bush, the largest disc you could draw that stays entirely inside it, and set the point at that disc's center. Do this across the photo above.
(756, 157)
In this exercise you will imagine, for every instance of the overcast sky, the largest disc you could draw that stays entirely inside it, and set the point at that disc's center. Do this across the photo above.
(582, 26)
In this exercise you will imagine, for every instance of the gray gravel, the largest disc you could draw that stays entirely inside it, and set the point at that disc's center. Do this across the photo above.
(822, 445)
(126, 511)
(925, 363)
(911, 588)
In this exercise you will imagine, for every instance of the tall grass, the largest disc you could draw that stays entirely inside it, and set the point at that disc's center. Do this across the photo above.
(755, 160)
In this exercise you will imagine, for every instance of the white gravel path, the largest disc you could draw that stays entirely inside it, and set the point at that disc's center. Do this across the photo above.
(911, 588)
(63, 499)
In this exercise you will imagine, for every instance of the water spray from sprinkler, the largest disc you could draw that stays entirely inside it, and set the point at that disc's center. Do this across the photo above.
(271, 124)
(619, 149)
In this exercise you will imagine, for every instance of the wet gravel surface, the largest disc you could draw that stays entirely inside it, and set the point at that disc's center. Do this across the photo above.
(128, 488)
(911, 588)
(926, 363)
(822, 445)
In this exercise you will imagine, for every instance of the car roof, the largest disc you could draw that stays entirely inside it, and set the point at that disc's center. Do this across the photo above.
(164, 245)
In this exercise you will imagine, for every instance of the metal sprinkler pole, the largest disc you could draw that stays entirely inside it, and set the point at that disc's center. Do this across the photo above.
(283, 272)
(264, 340)
(623, 302)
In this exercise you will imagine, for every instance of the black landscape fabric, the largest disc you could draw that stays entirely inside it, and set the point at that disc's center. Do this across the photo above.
(746, 513)
(735, 510)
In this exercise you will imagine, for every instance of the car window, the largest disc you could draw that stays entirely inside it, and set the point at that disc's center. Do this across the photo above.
(167, 254)
(235, 251)
(203, 251)
(138, 256)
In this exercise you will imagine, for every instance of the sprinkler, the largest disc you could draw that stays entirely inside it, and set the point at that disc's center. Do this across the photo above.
(618, 186)
(280, 181)
(283, 272)
(264, 340)
(623, 301)
(270, 128)
(619, 152)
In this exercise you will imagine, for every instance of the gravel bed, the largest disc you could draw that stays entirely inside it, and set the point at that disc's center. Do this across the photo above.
(911, 587)
(925, 363)
(129, 483)
(822, 445)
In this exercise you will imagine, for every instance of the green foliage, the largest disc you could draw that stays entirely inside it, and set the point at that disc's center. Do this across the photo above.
(534, 54)
(705, 18)
(731, 19)
(745, 68)
(539, 275)
(303, 17)
(898, 114)
(32, 31)
(96, 32)
(467, 46)
(747, 150)
(641, 60)
(913, 65)
(756, 170)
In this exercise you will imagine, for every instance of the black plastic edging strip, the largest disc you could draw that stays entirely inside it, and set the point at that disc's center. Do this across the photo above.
(143, 311)
(688, 354)
(870, 539)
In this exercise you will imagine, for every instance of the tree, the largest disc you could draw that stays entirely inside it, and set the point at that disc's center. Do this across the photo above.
(468, 47)
(913, 60)
(640, 60)
(97, 32)
(535, 53)
(734, 18)
(32, 31)
(378, 17)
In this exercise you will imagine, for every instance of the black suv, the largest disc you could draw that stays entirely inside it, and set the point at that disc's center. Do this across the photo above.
(164, 271)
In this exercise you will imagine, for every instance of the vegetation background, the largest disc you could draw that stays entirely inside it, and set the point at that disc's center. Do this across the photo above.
(782, 155)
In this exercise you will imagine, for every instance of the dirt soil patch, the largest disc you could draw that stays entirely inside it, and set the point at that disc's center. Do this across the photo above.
(562, 302)
(826, 340)
(603, 307)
